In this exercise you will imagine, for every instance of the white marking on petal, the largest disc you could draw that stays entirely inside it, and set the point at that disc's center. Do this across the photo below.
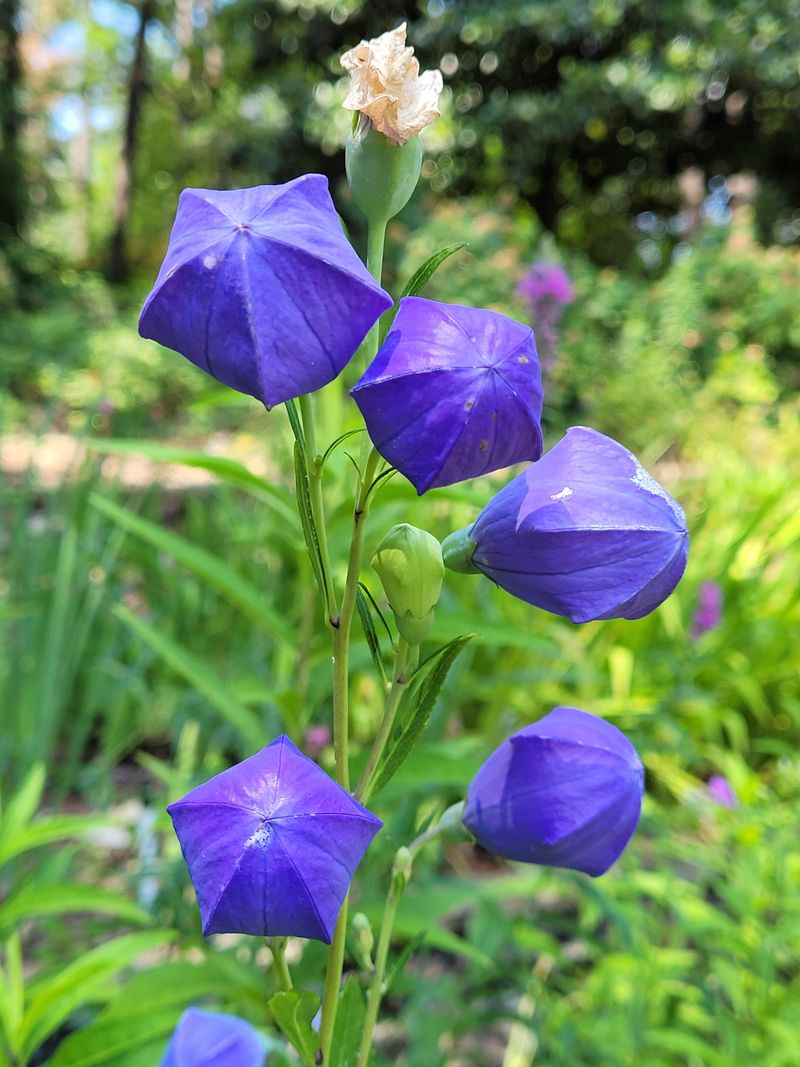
(565, 492)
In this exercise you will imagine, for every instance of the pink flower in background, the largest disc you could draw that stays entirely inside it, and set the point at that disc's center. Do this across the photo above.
(709, 609)
(721, 791)
(546, 281)
(317, 738)
(546, 289)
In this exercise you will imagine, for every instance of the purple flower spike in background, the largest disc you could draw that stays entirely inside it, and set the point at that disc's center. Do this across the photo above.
(271, 845)
(261, 289)
(563, 792)
(454, 392)
(721, 791)
(211, 1039)
(586, 532)
(709, 609)
(546, 289)
(546, 282)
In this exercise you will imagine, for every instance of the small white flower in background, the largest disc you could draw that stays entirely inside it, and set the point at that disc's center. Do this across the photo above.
(387, 87)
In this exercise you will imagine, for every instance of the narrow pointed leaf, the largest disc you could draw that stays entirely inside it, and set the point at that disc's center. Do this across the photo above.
(416, 709)
(423, 275)
(228, 470)
(370, 633)
(210, 568)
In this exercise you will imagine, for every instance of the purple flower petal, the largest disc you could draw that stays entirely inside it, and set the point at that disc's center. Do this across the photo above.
(212, 1039)
(586, 532)
(271, 845)
(454, 392)
(564, 792)
(261, 289)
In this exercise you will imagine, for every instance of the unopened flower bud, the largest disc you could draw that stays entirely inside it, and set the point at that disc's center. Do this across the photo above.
(409, 564)
(364, 937)
(564, 792)
(381, 174)
(403, 863)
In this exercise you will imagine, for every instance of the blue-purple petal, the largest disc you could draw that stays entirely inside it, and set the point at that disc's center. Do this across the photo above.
(455, 392)
(271, 845)
(564, 792)
(586, 532)
(261, 289)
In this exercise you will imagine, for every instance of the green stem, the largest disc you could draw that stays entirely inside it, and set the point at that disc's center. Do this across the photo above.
(375, 993)
(277, 947)
(401, 874)
(342, 624)
(399, 683)
(307, 413)
(333, 979)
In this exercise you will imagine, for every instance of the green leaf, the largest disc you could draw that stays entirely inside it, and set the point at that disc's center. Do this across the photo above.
(171, 984)
(349, 1026)
(307, 521)
(88, 979)
(229, 470)
(198, 674)
(421, 277)
(103, 1041)
(294, 1011)
(46, 831)
(12, 993)
(373, 642)
(24, 804)
(210, 568)
(61, 899)
(417, 708)
(340, 440)
(408, 951)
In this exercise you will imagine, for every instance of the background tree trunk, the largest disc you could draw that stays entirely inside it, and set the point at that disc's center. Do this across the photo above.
(118, 267)
(11, 195)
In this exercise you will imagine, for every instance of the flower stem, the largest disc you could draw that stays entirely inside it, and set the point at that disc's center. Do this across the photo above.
(401, 873)
(375, 994)
(333, 979)
(308, 415)
(403, 655)
(342, 624)
(277, 947)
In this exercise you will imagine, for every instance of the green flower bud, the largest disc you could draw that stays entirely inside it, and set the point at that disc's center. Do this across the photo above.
(363, 936)
(409, 564)
(457, 552)
(403, 862)
(382, 174)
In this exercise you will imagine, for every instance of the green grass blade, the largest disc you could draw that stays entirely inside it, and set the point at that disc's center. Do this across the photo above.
(200, 676)
(208, 567)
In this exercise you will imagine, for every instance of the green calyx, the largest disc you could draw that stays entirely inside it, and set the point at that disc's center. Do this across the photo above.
(409, 564)
(382, 175)
(458, 550)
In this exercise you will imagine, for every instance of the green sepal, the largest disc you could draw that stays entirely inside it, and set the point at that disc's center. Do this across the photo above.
(382, 175)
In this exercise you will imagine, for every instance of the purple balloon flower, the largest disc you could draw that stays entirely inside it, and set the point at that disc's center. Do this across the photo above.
(211, 1039)
(564, 792)
(261, 289)
(271, 845)
(453, 393)
(586, 532)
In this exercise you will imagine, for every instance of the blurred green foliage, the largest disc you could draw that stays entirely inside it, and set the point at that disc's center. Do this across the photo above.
(145, 621)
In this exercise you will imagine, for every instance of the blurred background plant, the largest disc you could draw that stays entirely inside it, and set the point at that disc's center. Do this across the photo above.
(149, 548)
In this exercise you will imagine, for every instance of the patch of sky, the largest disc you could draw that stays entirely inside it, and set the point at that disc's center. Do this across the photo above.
(115, 15)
